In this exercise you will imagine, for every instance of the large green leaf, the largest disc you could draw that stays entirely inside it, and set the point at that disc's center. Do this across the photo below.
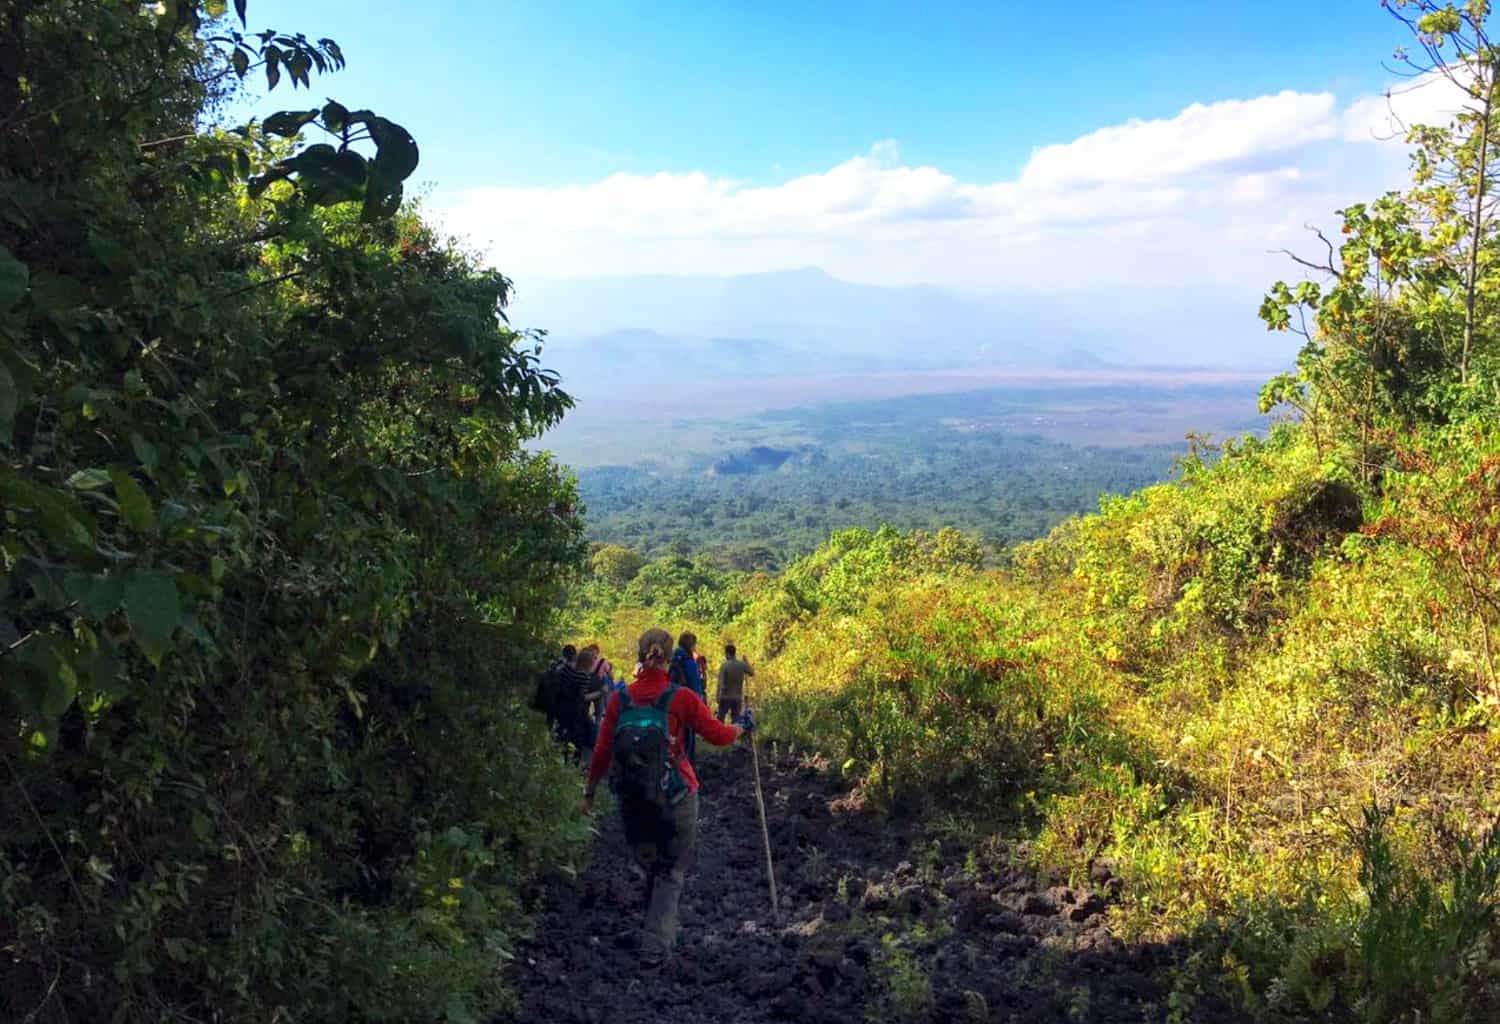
(53, 512)
(146, 452)
(97, 596)
(329, 175)
(298, 67)
(47, 682)
(395, 159)
(155, 610)
(335, 116)
(395, 150)
(381, 203)
(98, 668)
(288, 123)
(88, 479)
(135, 507)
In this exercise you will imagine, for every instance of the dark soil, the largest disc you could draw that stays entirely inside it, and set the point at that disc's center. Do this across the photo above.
(879, 922)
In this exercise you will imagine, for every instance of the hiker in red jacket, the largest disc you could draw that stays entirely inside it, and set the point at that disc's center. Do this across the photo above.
(642, 735)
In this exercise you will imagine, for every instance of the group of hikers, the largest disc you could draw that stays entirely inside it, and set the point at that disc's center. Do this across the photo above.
(642, 734)
(572, 692)
(575, 689)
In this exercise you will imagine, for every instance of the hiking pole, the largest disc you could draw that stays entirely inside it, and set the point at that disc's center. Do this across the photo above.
(765, 832)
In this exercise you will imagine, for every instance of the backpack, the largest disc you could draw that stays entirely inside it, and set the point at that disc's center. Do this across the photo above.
(567, 696)
(677, 671)
(645, 772)
(541, 697)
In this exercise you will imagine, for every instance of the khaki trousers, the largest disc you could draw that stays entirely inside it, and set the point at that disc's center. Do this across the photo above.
(664, 847)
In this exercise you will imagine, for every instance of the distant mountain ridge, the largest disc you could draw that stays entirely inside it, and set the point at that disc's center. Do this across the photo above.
(637, 355)
(798, 322)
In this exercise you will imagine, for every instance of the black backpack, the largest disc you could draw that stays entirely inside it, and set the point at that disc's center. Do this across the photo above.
(542, 696)
(644, 772)
(677, 674)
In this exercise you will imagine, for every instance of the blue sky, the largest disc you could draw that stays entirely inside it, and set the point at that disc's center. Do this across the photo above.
(1123, 153)
(568, 92)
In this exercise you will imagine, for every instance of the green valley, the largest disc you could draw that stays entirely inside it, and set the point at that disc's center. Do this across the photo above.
(1006, 465)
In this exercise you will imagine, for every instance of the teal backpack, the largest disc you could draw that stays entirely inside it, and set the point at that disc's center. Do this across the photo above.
(644, 771)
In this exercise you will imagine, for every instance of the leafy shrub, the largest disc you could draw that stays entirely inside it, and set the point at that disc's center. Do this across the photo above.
(1212, 757)
(1428, 937)
(905, 990)
(275, 558)
(615, 564)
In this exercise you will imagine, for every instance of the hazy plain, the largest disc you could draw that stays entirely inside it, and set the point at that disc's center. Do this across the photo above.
(682, 421)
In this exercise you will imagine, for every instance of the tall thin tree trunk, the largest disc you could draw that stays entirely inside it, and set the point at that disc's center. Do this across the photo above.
(1476, 231)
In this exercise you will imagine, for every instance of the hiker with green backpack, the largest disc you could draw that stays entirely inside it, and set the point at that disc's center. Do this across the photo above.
(642, 737)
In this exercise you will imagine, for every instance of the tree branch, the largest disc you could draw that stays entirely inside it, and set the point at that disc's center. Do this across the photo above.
(1304, 262)
(289, 276)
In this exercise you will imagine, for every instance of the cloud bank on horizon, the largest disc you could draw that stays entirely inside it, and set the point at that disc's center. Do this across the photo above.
(1200, 198)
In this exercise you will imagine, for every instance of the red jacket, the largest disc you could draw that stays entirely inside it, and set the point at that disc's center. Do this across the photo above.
(687, 711)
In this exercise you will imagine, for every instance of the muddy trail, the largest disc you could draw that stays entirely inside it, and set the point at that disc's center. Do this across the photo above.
(879, 922)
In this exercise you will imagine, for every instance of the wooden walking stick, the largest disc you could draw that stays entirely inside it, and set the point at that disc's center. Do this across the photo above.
(765, 832)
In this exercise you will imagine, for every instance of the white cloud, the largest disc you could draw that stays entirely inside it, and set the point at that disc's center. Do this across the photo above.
(1431, 100)
(1202, 137)
(1258, 187)
(1198, 198)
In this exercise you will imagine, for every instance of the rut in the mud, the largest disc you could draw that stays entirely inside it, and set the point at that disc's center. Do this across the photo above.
(878, 923)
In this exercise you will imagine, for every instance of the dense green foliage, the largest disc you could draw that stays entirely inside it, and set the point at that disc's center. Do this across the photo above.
(1208, 683)
(913, 463)
(274, 558)
(1266, 692)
